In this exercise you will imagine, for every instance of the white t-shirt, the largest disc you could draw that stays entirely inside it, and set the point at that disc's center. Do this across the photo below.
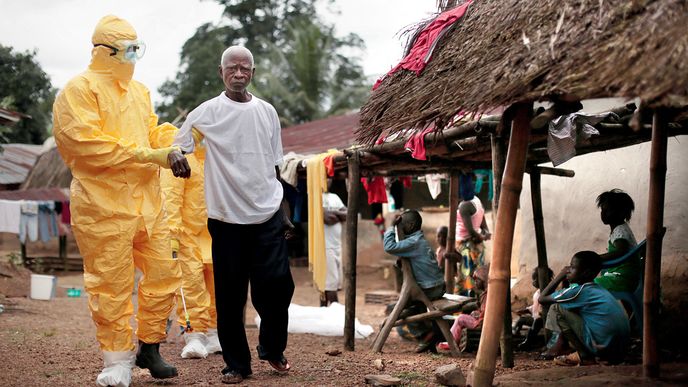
(243, 146)
(333, 233)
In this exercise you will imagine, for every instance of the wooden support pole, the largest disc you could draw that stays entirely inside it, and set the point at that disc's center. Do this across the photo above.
(551, 171)
(653, 259)
(538, 222)
(450, 264)
(498, 282)
(498, 160)
(353, 205)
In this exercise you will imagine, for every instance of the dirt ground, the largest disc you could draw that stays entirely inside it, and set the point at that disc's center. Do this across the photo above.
(52, 343)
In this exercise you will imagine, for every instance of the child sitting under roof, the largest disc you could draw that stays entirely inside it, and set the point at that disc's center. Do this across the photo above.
(586, 315)
(530, 316)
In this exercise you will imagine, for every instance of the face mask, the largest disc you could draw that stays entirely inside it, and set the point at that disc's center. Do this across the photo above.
(127, 51)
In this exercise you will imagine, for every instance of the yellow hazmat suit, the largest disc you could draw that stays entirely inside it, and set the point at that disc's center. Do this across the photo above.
(108, 135)
(187, 217)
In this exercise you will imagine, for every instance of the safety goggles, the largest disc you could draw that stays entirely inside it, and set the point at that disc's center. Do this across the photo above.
(127, 50)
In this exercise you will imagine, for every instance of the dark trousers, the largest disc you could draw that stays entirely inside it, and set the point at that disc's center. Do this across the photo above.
(255, 253)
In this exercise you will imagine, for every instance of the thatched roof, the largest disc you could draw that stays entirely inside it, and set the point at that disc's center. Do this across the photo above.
(505, 51)
(48, 172)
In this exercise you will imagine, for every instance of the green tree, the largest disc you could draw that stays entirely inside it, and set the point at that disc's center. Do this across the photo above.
(308, 77)
(25, 88)
(300, 66)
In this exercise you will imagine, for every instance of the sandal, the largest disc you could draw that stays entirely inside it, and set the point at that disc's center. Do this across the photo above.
(572, 360)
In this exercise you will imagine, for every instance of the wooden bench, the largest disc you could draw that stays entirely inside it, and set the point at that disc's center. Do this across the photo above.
(436, 310)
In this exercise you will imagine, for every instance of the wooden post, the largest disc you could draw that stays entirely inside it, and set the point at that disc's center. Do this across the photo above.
(538, 222)
(351, 244)
(450, 264)
(498, 282)
(653, 259)
(498, 161)
(63, 252)
(22, 249)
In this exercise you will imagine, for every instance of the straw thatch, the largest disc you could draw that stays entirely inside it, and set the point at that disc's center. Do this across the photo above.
(50, 171)
(505, 51)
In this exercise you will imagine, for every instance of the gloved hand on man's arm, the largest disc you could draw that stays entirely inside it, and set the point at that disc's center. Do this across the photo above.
(157, 156)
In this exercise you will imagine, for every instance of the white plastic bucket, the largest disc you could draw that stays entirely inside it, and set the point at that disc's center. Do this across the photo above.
(43, 286)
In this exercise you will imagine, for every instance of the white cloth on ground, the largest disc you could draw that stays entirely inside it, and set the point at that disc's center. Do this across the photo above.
(10, 216)
(568, 130)
(117, 369)
(323, 321)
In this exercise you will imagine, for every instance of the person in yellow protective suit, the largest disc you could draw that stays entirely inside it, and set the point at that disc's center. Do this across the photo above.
(187, 217)
(108, 135)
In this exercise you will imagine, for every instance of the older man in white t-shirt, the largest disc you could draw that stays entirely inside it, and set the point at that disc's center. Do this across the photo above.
(243, 196)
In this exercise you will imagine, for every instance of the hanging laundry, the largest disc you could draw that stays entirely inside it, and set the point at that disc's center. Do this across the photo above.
(375, 187)
(47, 221)
(28, 223)
(289, 168)
(421, 52)
(11, 216)
(66, 215)
(317, 184)
(406, 181)
(329, 165)
(416, 144)
(434, 181)
(481, 175)
(566, 131)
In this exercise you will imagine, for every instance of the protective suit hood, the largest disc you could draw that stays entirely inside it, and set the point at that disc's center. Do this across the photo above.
(109, 31)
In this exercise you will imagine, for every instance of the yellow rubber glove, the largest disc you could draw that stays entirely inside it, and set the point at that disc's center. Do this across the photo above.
(155, 156)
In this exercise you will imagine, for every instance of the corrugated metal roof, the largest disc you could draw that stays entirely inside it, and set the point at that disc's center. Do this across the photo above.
(16, 161)
(318, 136)
(49, 194)
(11, 117)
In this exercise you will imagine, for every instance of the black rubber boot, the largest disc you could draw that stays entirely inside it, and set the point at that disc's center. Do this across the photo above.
(149, 357)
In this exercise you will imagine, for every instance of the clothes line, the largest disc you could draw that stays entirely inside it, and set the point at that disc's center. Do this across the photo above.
(34, 220)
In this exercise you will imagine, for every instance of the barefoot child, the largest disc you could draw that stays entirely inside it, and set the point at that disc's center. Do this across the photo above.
(586, 315)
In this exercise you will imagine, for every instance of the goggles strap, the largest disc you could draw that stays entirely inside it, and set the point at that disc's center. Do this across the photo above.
(115, 50)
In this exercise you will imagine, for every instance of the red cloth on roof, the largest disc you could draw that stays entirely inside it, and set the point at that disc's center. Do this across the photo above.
(329, 165)
(375, 189)
(416, 144)
(420, 53)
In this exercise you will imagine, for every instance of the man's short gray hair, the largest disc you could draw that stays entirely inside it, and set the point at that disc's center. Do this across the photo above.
(236, 50)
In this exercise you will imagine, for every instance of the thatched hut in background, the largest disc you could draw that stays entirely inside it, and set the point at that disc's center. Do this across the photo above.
(507, 51)
(509, 54)
(49, 171)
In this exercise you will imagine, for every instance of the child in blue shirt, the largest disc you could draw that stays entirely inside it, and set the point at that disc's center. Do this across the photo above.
(587, 316)
(430, 278)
